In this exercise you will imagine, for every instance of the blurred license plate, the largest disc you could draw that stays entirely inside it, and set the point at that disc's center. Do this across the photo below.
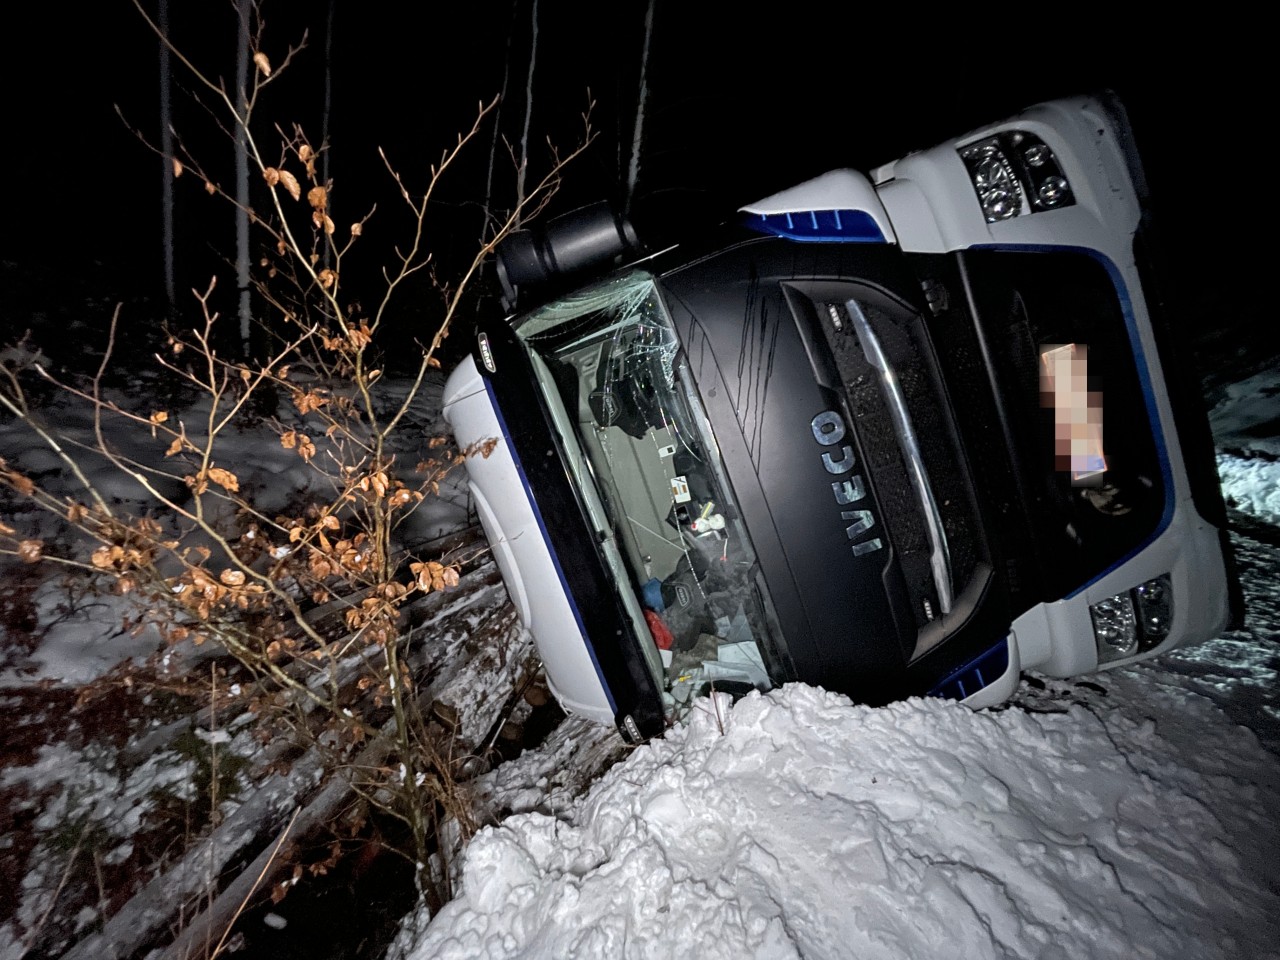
(1066, 388)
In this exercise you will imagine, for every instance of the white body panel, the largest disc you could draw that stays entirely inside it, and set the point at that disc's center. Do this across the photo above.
(528, 567)
(931, 201)
(835, 190)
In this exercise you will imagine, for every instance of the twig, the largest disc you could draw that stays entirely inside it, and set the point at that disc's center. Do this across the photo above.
(53, 901)
(262, 873)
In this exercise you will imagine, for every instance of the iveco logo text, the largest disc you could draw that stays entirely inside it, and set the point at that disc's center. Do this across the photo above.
(829, 430)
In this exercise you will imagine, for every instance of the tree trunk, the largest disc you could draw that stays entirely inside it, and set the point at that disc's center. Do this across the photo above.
(243, 55)
(633, 172)
(325, 174)
(166, 148)
(497, 129)
(528, 105)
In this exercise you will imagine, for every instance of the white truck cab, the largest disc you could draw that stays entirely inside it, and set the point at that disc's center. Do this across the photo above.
(900, 433)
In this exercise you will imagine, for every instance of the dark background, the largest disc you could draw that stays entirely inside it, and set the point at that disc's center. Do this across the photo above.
(740, 105)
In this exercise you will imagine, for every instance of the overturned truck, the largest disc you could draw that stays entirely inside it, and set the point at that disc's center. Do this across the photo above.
(894, 434)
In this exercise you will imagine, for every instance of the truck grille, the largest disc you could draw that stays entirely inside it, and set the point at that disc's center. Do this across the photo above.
(906, 348)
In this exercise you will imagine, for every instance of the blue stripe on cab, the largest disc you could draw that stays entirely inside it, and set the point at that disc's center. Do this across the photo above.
(818, 226)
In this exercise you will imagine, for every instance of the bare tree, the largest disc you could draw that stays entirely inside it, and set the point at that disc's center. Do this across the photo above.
(166, 150)
(244, 13)
(207, 562)
(637, 136)
(523, 167)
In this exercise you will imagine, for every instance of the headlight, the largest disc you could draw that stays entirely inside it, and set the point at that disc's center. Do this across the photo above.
(1115, 628)
(1133, 621)
(1015, 173)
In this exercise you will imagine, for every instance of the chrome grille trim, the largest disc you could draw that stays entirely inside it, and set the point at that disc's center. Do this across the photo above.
(940, 556)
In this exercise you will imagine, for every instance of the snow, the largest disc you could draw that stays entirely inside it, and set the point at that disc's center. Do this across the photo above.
(1129, 814)
(1246, 416)
(798, 824)
(1251, 485)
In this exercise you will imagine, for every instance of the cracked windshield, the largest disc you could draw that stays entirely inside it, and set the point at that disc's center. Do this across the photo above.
(610, 364)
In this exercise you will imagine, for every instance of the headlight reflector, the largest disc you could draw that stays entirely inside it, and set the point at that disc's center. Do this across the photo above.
(1015, 173)
(1115, 627)
(994, 180)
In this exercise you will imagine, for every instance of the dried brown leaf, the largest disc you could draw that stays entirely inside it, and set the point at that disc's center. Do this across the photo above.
(31, 551)
(263, 64)
(318, 197)
(357, 229)
(177, 167)
(291, 184)
(271, 175)
(289, 439)
(327, 278)
(232, 578)
(159, 416)
(360, 336)
(174, 447)
(225, 479)
(309, 400)
(209, 188)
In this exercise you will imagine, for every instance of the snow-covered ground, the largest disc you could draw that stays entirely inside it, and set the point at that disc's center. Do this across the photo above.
(99, 787)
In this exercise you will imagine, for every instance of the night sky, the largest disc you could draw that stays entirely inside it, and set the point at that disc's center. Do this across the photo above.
(739, 107)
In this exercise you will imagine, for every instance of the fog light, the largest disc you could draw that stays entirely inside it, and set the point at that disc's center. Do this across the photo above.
(1115, 627)
(1155, 609)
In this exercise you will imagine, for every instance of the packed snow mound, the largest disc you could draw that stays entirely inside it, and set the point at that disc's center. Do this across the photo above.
(796, 824)
(1251, 485)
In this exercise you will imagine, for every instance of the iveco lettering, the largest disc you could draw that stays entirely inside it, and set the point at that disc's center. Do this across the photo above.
(903, 433)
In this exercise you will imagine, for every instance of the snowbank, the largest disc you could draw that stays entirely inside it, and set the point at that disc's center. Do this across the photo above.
(812, 827)
(1251, 485)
